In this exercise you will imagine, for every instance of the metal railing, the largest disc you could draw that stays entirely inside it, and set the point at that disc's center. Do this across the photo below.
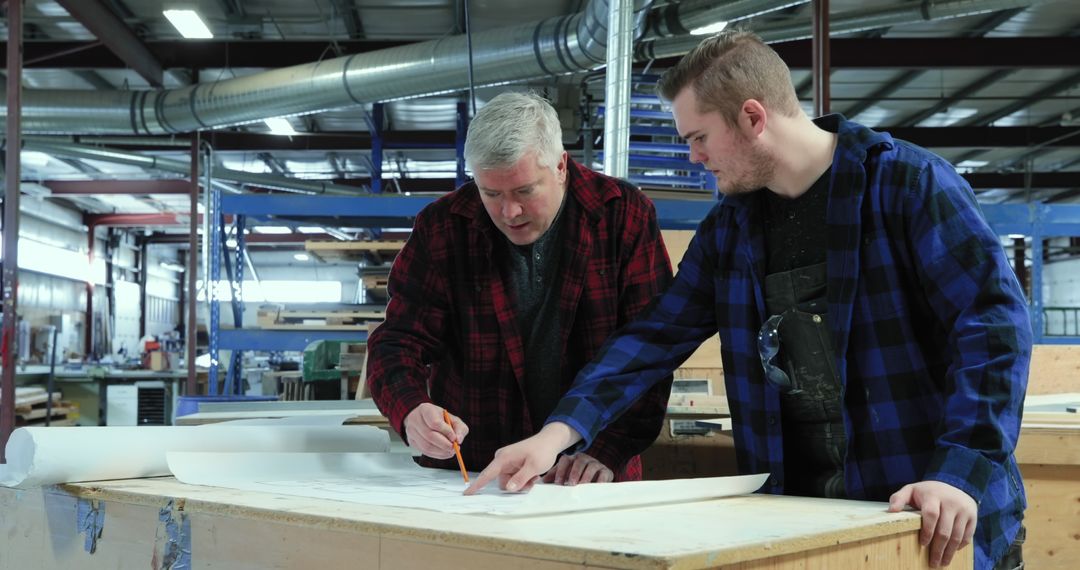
(1061, 321)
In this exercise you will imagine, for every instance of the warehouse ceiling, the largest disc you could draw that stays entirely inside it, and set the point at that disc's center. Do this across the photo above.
(996, 91)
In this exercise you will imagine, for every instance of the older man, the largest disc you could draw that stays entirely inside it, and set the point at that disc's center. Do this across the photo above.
(507, 287)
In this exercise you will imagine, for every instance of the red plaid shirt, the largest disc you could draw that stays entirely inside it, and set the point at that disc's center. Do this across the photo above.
(451, 335)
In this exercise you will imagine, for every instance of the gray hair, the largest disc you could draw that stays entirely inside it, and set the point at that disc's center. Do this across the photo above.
(508, 127)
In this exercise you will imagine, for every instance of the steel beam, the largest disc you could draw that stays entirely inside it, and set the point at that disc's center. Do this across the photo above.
(1019, 180)
(986, 137)
(939, 53)
(1064, 84)
(10, 270)
(136, 220)
(113, 187)
(117, 36)
(981, 180)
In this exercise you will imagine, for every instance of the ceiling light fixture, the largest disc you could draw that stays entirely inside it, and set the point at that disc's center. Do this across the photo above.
(280, 126)
(188, 23)
(171, 266)
(710, 29)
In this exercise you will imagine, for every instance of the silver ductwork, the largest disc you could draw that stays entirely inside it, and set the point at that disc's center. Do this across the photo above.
(555, 46)
(681, 18)
(561, 45)
(846, 23)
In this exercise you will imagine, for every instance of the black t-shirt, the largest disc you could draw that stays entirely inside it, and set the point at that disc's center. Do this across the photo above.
(795, 230)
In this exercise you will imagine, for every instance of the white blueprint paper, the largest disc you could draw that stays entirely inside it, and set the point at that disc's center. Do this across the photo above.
(45, 456)
(395, 480)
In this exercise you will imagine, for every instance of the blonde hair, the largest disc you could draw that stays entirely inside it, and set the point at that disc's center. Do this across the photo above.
(728, 68)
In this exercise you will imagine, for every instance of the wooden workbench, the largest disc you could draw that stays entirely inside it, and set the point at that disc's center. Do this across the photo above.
(1049, 456)
(143, 523)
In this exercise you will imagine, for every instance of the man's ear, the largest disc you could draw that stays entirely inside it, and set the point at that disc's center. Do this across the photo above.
(752, 118)
(561, 168)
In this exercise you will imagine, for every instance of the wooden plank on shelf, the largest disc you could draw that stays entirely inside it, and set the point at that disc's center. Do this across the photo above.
(276, 318)
(377, 251)
(312, 327)
(333, 245)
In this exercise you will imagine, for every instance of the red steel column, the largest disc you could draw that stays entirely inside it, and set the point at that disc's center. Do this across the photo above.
(11, 219)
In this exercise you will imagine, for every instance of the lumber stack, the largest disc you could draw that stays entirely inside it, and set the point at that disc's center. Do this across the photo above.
(271, 317)
(31, 408)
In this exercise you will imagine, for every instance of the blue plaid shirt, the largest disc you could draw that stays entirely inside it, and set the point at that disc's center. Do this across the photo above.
(931, 332)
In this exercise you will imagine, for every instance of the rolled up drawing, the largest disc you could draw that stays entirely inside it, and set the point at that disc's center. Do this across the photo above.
(45, 456)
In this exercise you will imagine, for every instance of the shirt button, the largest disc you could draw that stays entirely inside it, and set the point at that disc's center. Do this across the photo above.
(817, 319)
(538, 257)
(772, 420)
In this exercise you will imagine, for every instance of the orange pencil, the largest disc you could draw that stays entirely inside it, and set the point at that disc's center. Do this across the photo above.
(457, 448)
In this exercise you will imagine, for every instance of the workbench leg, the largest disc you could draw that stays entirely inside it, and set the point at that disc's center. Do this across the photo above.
(103, 401)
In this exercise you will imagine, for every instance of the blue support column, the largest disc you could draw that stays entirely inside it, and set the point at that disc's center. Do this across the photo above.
(1036, 283)
(235, 378)
(459, 140)
(375, 126)
(216, 221)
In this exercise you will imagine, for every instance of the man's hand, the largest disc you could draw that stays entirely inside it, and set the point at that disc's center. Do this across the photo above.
(428, 433)
(948, 517)
(517, 466)
(580, 468)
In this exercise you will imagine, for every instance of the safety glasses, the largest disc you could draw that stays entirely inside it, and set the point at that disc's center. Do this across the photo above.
(768, 343)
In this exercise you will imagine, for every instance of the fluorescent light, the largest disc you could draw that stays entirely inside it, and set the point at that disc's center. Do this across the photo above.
(301, 256)
(709, 30)
(272, 230)
(188, 23)
(311, 229)
(35, 158)
(280, 126)
(231, 242)
(172, 266)
(1017, 236)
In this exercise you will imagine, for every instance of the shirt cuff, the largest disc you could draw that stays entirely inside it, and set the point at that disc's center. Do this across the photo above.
(962, 468)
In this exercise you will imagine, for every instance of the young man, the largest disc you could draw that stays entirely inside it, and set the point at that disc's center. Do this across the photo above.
(874, 338)
(507, 287)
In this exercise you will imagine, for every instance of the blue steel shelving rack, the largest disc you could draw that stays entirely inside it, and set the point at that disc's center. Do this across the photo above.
(266, 209)
(1036, 220)
(386, 210)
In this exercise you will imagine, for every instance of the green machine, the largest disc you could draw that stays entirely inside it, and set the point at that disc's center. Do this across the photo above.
(330, 360)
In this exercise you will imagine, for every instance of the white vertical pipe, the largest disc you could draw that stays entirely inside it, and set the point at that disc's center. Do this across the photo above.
(617, 88)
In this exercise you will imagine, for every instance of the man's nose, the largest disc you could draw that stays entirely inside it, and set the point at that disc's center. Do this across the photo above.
(696, 156)
(511, 209)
